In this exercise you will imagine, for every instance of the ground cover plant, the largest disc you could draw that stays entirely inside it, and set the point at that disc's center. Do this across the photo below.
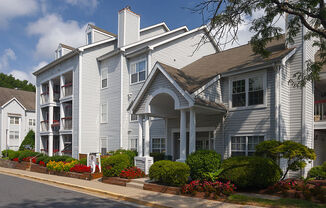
(132, 173)
(216, 188)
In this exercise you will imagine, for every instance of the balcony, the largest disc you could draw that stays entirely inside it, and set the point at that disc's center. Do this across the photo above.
(320, 114)
(55, 126)
(67, 123)
(45, 126)
(56, 96)
(45, 97)
(67, 89)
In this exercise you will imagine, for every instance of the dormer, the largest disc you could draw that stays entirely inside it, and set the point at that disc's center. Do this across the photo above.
(95, 34)
(62, 50)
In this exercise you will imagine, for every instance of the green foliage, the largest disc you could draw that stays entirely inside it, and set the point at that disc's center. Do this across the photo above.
(58, 158)
(14, 154)
(83, 161)
(5, 153)
(9, 81)
(169, 173)
(295, 153)
(268, 149)
(203, 162)
(43, 158)
(250, 172)
(131, 154)
(113, 165)
(70, 159)
(26, 153)
(29, 141)
(157, 156)
(318, 172)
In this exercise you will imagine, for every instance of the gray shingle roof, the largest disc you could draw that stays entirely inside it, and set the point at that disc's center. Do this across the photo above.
(27, 99)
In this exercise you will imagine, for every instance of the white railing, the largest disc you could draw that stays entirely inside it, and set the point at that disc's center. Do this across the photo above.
(320, 110)
(67, 89)
(67, 123)
(45, 125)
(45, 97)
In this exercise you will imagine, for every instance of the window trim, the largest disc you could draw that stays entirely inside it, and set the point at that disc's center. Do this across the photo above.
(244, 135)
(146, 72)
(107, 78)
(129, 142)
(133, 121)
(161, 138)
(14, 117)
(107, 113)
(107, 143)
(246, 77)
(92, 36)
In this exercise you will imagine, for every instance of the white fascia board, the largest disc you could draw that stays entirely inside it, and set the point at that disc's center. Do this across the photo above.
(155, 37)
(110, 54)
(156, 67)
(212, 81)
(82, 48)
(12, 99)
(154, 26)
(288, 56)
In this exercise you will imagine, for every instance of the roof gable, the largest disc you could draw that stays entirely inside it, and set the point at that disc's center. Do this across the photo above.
(25, 98)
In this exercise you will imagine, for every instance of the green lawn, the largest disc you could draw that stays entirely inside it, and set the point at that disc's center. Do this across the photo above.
(284, 202)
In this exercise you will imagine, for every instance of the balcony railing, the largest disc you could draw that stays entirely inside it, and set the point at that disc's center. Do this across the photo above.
(45, 125)
(45, 97)
(320, 110)
(67, 89)
(56, 96)
(56, 125)
(67, 123)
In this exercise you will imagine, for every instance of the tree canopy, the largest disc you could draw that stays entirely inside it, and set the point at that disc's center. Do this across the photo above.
(225, 16)
(9, 81)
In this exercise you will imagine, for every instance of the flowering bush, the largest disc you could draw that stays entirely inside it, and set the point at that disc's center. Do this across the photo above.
(217, 188)
(80, 168)
(132, 173)
(61, 166)
(27, 159)
(15, 159)
(284, 185)
(42, 163)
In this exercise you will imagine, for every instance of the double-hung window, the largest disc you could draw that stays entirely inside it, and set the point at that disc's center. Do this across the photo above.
(104, 78)
(104, 145)
(14, 120)
(104, 113)
(244, 145)
(247, 92)
(137, 71)
(31, 122)
(89, 38)
(133, 143)
(158, 145)
(14, 135)
(133, 117)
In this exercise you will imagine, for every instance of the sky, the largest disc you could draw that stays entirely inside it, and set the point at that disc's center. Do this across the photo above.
(30, 30)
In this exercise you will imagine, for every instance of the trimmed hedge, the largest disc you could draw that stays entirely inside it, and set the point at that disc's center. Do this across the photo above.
(112, 166)
(28, 142)
(169, 173)
(131, 154)
(27, 153)
(14, 154)
(202, 162)
(43, 158)
(318, 172)
(250, 172)
(5, 153)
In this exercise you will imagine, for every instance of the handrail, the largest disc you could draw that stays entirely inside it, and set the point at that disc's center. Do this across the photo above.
(320, 101)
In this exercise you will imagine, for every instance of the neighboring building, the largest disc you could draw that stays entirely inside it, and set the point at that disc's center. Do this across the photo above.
(17, 116)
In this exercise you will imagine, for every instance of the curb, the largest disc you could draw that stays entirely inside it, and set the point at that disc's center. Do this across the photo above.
(111, 194)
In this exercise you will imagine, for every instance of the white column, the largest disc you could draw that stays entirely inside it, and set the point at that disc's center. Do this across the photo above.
(146, 133)
(50, 91)
(192, 131)
(50, 118)
(50, 147)
(140, 135)
(183, 136)
(62, 115)
(61, 144)
(62, 82)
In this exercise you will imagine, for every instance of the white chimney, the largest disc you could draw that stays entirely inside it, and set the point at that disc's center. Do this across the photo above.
(128, 27)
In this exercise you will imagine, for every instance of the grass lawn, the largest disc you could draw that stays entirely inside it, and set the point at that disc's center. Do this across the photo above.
(284, 202)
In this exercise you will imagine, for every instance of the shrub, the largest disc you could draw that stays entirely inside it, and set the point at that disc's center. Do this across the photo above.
(318, 172)
(26, 154)
(132, 173)
(157, 156)
(202, 162)
(83, 161)
(43, 158)
(55, 166)
(217, 188)
(112, 166)
(250, 172)
(28, 142)
(14, 154)
(80, 168)
(59, 158)
(42, 163)
(70, 159)
(5, 153)
(68, 165)
(268, 149)
(169, 173)
(131, 154)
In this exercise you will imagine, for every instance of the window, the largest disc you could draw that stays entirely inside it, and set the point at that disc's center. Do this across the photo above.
(104, 113)
(89, 38)
(244, 145)
(59, 53)
(133, 144)
(137, 71)
(248, 92)
(14, 120)
(31, 122)
(133, 117)
(104, 145)
(158, 145)
(14, 135)
(104, 78)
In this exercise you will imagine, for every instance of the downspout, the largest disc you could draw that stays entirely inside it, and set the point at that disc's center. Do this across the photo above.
(80, 104)
(121, 101)
(303, 91)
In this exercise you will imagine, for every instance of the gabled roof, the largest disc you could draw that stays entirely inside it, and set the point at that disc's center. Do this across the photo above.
(198, 73)
(162, 24)
(102, 30)
(27, 99)
(66, 46)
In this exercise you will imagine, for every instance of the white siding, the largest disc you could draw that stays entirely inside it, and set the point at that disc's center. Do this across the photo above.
(99, 36)
(152, 32)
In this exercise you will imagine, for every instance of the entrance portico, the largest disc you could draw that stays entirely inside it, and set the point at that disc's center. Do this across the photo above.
(161, 97)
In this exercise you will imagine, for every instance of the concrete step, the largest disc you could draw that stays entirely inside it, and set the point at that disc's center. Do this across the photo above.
(140, 180)
(135, 185)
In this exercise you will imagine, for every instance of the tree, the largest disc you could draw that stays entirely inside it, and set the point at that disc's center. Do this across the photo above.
(225, 17)
(295, 153)
(29, 141)
(9, 81)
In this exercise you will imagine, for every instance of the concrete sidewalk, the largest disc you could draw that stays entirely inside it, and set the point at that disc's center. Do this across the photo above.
(142, 197)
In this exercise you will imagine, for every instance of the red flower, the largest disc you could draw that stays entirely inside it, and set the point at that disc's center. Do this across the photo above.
(132, 173)
(16, 159)
(42, 163)
(80, 168)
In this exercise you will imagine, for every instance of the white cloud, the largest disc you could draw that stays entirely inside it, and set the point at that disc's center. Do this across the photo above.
(10, 9)
(89, 4)
(53, 30)
(22, 75)
(8, 55)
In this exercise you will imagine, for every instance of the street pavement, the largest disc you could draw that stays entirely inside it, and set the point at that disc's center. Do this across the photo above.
(17, 192)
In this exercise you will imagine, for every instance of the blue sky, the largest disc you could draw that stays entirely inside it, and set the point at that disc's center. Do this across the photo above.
(30, 30)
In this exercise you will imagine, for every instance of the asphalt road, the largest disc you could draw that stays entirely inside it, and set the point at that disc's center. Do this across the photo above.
(18, 192)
